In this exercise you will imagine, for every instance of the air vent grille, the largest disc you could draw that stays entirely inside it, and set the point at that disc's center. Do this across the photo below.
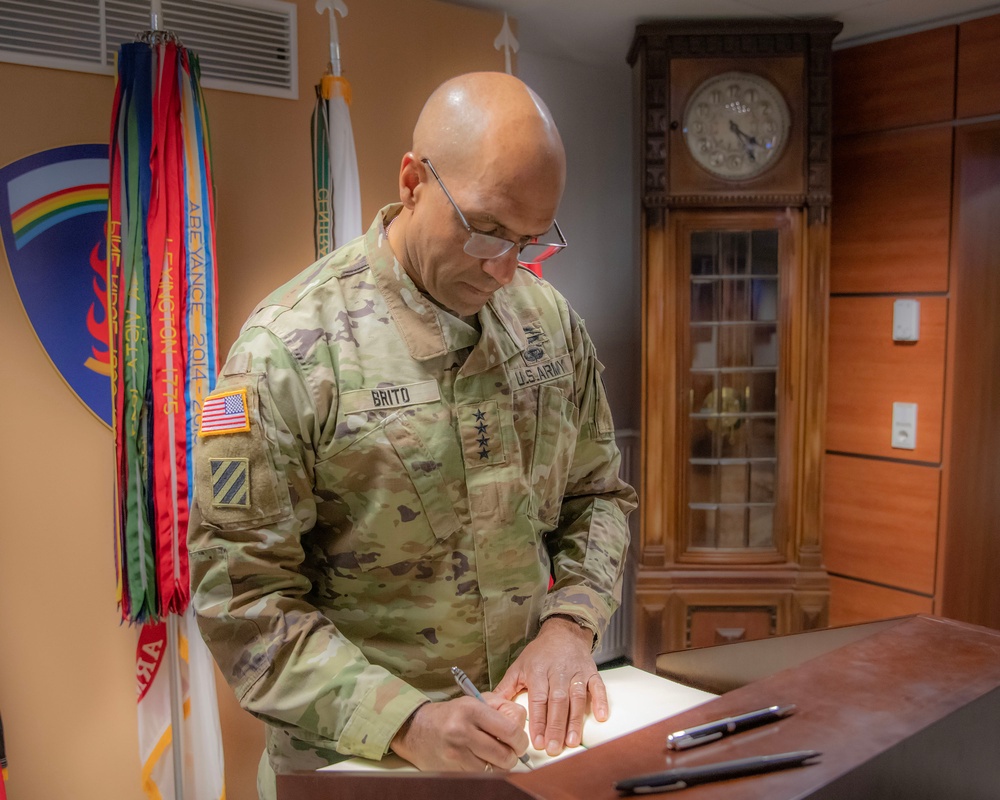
(243, 45)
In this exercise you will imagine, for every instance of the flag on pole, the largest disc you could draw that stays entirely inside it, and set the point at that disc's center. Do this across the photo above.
(336, 186)
(193, 678)
(164, 358)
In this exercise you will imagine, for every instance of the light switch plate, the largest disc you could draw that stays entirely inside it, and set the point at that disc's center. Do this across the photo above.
(906, 320)
(904, 426)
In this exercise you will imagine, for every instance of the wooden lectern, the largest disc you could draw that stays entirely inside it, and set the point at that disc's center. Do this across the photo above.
(903, 708)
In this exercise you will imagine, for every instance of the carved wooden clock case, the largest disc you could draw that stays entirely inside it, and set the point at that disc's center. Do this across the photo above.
(733, 129)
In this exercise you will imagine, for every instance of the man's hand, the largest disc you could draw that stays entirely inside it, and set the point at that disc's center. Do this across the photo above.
(463, 735)
(558, 671)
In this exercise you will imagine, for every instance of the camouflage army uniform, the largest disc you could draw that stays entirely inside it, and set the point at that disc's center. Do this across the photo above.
(412, 484)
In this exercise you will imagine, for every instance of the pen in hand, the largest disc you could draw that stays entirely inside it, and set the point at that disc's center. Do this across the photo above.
(469, 688)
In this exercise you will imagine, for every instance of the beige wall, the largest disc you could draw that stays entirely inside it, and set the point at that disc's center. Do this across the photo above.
(66, 664)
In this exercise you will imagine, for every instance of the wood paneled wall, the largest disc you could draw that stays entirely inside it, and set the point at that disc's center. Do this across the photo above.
(869, 372)
(895, 83)
(978, 88)
(916, 199)
(892, 191)
(970, 552)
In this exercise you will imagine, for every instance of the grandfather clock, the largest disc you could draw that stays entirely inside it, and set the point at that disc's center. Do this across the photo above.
(733, 121)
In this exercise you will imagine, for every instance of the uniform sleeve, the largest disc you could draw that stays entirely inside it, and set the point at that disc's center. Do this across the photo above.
(286, 662)
(590, 543)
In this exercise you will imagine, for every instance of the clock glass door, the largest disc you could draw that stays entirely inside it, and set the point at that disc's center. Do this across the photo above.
(730, 432)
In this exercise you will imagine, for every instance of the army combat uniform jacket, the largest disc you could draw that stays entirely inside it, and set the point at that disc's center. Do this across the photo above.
(383, 491)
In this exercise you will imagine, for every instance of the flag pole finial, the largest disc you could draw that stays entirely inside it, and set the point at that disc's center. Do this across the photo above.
(155, 12)
(334, 7)
(505, 40)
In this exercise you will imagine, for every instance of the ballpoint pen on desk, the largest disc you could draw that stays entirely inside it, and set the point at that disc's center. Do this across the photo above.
(710, 731)
(469, 688)
(682, 777)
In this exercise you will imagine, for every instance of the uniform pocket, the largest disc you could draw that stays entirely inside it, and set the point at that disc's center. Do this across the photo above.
(427, 476)
(397, 500)
(235, 642)
(555, 440)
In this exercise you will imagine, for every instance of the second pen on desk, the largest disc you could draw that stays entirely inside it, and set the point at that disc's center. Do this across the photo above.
(682, 777)
(710, 731)
(469, 688)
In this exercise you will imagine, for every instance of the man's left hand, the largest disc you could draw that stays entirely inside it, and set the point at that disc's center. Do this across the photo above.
(559, 672)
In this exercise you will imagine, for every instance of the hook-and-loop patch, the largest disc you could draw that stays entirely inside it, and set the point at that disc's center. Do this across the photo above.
(230, 482)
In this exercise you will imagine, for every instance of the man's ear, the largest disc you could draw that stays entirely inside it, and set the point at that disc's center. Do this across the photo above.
(411, 175)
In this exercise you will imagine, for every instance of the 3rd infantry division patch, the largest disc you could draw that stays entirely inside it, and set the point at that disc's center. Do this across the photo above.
(230, 482)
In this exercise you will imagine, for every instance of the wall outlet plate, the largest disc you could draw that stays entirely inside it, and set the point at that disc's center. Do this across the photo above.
(904, 426)
(906, 320)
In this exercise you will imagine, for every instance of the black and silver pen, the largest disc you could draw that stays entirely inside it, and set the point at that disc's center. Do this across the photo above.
(682, 777)
(469, 688)
(710, 731)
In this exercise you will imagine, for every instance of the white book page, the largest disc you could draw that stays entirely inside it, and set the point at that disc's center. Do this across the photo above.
(636, 699)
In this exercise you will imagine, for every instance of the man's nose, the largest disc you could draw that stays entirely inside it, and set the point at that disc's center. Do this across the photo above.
(502, 268)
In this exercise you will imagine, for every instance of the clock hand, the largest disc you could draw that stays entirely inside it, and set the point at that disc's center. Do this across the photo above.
(739, 132)
(746, 140)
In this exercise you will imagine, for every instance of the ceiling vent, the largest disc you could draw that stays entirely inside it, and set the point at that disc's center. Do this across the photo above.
(243, 45)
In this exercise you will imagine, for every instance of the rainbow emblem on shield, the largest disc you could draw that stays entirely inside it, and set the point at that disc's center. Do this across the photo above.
(53, 214)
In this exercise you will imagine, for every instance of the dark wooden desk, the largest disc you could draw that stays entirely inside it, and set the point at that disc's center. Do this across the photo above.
(908, 708)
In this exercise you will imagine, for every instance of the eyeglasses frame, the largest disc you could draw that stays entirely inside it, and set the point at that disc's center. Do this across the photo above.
(474, 234)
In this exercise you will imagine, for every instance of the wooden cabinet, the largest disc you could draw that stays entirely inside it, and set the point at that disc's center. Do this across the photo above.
(733, 122)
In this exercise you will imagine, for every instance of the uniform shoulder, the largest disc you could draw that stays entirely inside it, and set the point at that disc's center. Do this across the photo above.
(528, 291)
(312, 307)
(320, 277)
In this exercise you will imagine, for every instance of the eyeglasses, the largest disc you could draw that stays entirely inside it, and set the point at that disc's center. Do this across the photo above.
(530, 250)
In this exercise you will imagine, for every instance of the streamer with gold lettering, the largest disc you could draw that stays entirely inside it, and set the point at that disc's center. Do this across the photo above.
(161, 243)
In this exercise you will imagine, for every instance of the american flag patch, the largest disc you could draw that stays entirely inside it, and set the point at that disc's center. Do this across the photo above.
(225, 413)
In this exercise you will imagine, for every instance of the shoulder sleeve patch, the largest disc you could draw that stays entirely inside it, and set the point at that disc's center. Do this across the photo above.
(230, 482)
(237, 481)
(225, 412)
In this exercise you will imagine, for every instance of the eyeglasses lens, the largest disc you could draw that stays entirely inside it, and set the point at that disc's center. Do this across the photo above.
(537, 252)
(479, 245)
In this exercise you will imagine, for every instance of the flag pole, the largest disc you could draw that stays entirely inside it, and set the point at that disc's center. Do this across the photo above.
(173, 660)
(337, 187)
(334, 7)
(176, 707)
(505, 41)
(155, 10)
(159, 108)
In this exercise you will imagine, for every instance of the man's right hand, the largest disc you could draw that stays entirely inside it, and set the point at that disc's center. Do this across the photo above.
(463, 735)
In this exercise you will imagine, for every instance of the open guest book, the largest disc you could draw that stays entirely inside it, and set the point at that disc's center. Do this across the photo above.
(636, 699)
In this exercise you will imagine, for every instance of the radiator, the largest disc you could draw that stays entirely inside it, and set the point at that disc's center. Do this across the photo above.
(617, 641)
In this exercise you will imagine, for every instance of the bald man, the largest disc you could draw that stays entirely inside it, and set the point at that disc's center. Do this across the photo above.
(416, 469)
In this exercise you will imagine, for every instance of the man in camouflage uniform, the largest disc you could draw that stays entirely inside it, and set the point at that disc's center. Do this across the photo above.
(405, 443)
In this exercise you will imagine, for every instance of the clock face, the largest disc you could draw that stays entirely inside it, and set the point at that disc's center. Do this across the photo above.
(736, 125)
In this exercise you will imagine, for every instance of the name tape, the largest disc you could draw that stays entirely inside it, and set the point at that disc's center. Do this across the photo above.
(383, 397)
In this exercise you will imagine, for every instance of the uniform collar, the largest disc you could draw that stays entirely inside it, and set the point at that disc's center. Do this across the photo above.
(429, 331)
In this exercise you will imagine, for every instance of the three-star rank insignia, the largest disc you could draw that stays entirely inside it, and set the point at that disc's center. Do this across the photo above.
(482, 442)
